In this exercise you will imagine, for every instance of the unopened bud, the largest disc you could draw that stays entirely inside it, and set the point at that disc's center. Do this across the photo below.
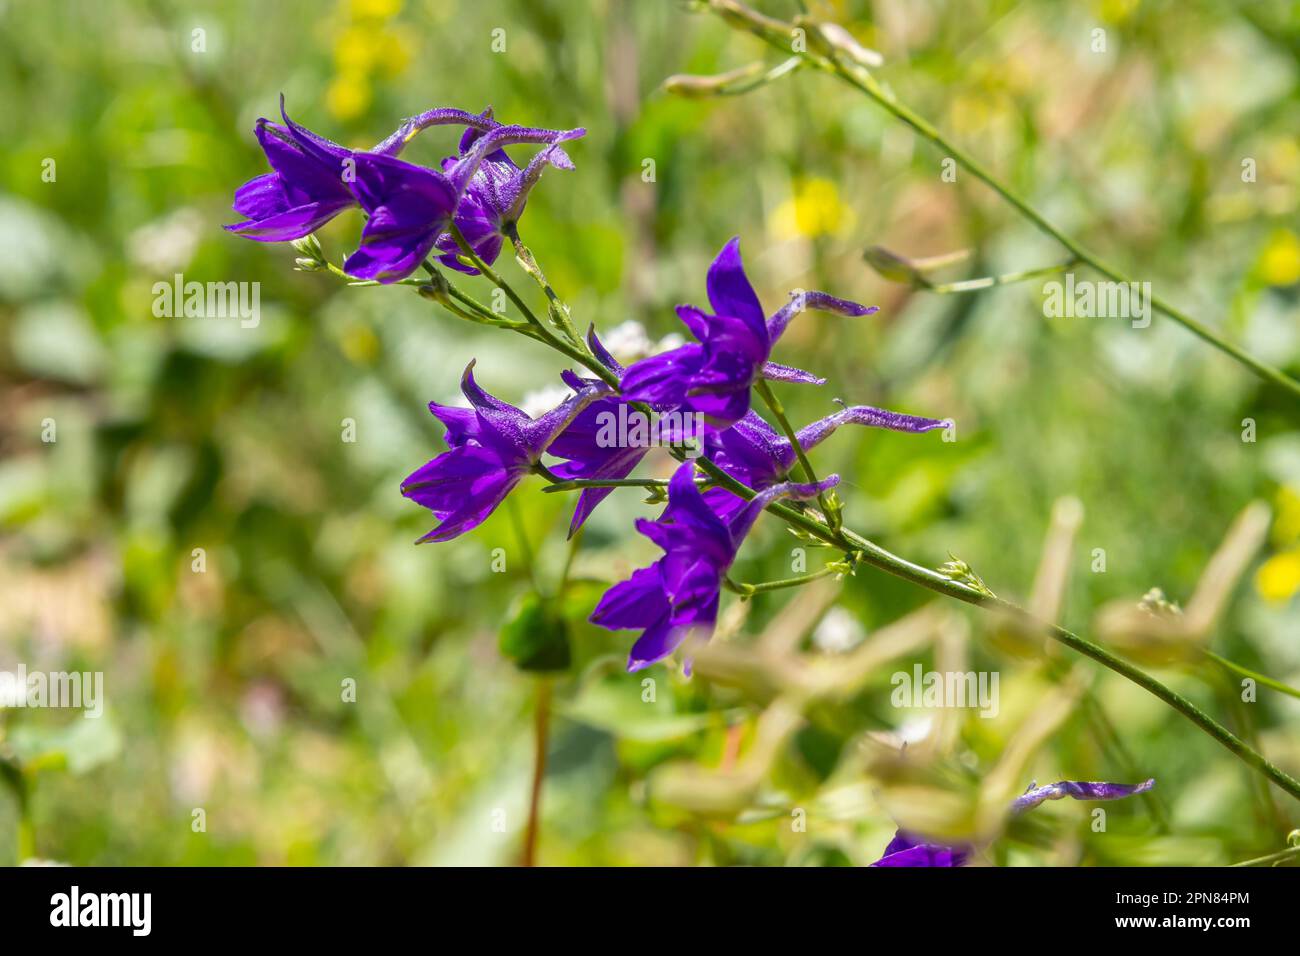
(309, 246)
(699, 87)
(836, 39)
(896, 268)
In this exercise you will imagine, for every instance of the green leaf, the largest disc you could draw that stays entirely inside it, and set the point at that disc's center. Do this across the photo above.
(79, 746)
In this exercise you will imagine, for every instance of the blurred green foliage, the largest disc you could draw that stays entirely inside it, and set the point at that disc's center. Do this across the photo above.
(226, 685)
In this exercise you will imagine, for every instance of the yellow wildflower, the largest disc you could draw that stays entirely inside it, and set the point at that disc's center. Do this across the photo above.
(1279, 264)
(815, 209)
(1278, 578)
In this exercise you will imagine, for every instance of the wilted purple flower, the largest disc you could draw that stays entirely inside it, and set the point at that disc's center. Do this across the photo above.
(713, 376)
(756, 455)
(678, 595)
(1079, 790)
(494, 198)
(306, 189)
(492, 446)
(410, 206)
(907, 849)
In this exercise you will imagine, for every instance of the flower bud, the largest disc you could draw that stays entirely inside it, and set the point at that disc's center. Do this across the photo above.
(309, 246)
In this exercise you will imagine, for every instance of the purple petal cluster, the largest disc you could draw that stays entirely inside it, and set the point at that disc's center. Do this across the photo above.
(677, 596)
(409, 208)
(494, 198)
(492, 446)
(907, 849)
(714, 374)
(305, 189)
(586, 455)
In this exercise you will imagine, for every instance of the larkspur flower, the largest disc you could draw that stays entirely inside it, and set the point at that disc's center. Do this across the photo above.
(310, 182)
(713, 375)
(492, 446)
(756, 455)
(306, 188)
(494, 198)
(677, 596)
(907, 849)
(410, 206)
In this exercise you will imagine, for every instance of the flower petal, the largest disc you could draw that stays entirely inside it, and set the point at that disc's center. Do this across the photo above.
(774, 372)
(730, 292)
(637, 602)
(462, 487)
(1079, 790)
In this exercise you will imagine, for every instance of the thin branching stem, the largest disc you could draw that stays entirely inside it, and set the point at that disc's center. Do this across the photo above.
(1258, 678)
(778, 411)
(778, 33)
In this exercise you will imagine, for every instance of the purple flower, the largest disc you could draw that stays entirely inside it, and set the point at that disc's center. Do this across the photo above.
(713, 375)
(582, 443)
(492, 447)
(1079, 790)
(753, 453)
(410, 206)
(310, 182)
(907, 849)
(305, 191)
(677, 596)
(494, 198)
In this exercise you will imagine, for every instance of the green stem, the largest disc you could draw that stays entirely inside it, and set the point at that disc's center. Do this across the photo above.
(777, 33)
(748, 590)
(866, 84)
(878, 557)
(1277, 685)
(987, 282)
(558, 310)
(576, 484)
(517, 520)
(778, 411)
(578, 352)
(467, 251)
(1292, 853)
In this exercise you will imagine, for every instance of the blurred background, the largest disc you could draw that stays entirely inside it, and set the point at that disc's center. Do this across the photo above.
(199, 527)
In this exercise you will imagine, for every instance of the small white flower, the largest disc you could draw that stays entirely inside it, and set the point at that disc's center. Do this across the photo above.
(627, 341)
(838, 631)
(673, 340)
(916, 728)
(167, 244)
(540, 401)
